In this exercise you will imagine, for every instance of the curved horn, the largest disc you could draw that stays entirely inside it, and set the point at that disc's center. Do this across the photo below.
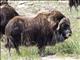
(61, 21)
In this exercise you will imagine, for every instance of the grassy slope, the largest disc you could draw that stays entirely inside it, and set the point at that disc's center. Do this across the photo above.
(70, 46)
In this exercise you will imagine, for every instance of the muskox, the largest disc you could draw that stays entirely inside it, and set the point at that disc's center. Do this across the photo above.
(74, 3)
(6, 13)
(41, 30)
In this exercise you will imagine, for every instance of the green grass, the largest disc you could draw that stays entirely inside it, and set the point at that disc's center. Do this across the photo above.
(71, 46)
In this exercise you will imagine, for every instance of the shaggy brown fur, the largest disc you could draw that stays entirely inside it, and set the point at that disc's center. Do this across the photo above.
(6, 13)
(41, 30)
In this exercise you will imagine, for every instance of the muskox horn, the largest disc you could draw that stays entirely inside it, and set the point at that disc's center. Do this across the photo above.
(61, 21)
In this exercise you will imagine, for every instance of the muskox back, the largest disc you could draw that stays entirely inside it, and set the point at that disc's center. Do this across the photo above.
(6, 13)
(41, 30)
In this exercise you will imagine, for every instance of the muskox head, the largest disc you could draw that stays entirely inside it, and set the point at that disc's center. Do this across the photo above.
(60, 25)
(3, 2)
(64, 27)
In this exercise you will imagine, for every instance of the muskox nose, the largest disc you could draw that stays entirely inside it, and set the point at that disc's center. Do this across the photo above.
(68, 33)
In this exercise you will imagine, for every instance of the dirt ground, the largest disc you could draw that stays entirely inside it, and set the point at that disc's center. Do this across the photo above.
(58, 58)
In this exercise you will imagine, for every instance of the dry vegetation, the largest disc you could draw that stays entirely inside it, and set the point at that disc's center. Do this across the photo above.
(71, 47)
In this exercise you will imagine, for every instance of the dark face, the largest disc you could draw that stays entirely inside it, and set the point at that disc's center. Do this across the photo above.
(65, 29)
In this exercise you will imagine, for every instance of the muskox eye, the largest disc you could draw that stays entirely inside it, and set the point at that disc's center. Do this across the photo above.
(64, 26)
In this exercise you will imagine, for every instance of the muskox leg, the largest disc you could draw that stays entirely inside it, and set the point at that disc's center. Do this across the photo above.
(12, 44)
(41, 50)
(16, 45)
(0, 34)
(76, 8)
(9, 50)
(70, 9)
(1, 37)
(17, 49)
(8, 45)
